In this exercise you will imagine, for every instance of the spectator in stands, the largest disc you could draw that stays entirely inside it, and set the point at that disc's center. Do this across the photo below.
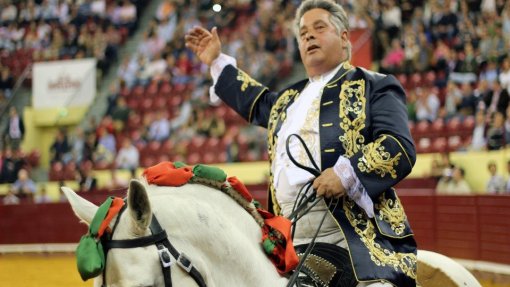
(508, 181)
(42, 196)
(10, 198)
(454, 184)
(78, 145)
(498, 100)
(507, 127)
(182, 114)
(3, 105)
(11, 165)
(442, 167)
(427, 105)
(128, 156)
(452, 99)
(120, 113)
(104, 153)
(87, 181)
(15, 130)
(504, 75)
(496, 183)
(394, 60)
(469, 102)
(411, 105)
(127, 13)
(479, 140)
(412, 53)
(165, 10)
(322, 35)
(391, 18)
(468, 65)
(6, 82)
(482, 92)
(490, 73)
(159, 129)
(496, 132)
(24, 186)
(60, 149)
(89, 147)
(8, 13)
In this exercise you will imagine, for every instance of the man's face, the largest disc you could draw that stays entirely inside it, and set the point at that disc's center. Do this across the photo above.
(321, 46)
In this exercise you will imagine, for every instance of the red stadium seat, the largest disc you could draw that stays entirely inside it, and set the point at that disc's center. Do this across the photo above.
(437, 128)
(152, 89)
(166, 147)
(148, 161)
(468, 123)
(411, 125)
(402, 78)
(453, 125)
(439, 145)
(429, 78)
(424, 145)
(138, 91)
(454, 143)
(422, 128)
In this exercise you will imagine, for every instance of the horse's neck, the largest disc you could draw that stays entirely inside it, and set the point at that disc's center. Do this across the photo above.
(222, 238)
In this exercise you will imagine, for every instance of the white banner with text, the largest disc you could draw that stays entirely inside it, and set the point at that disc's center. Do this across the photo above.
(62, 84)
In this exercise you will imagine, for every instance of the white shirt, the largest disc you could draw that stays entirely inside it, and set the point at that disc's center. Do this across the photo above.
(288, 178)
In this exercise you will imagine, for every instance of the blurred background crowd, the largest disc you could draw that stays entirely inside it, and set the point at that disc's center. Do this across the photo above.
(451, 56)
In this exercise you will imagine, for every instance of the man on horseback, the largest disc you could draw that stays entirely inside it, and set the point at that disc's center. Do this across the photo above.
(354, 123)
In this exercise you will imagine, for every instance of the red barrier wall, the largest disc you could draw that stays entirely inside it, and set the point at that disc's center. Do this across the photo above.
(470, 227)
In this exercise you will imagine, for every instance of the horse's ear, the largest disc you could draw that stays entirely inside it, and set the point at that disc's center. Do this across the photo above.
(84, 209)
(139, 206)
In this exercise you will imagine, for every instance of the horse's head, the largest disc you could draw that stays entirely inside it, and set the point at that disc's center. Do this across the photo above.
(123, 266)
(219, 237)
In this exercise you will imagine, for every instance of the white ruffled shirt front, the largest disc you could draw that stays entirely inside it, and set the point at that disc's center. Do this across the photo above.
(303, 119)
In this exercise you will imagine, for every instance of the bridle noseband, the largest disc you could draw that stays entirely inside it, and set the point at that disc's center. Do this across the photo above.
(167, 253)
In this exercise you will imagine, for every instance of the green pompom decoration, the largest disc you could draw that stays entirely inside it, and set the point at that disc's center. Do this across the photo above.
(268, 245)
(209, 172)
(179, 164)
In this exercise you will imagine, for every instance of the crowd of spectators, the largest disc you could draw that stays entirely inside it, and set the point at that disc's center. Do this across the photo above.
(46, 30)
(160, 101)
(453, 59)
(451, 178)
(450, 56)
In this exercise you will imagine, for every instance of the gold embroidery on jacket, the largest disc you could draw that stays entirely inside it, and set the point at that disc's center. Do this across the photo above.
(379, 255)
(276, 114)
(391, 211)
(352, 116)
(307, 133)
(247, 80)
(376, 158)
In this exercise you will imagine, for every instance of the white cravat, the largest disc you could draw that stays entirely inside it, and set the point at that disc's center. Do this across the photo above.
(307, 103)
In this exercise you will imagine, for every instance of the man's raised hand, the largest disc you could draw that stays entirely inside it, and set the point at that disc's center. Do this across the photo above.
(206, 45)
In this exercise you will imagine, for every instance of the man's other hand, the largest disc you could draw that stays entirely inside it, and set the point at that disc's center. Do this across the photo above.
(206, 45)
(328, 184)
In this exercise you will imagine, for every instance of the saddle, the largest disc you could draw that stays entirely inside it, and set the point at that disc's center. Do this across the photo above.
(327, 265)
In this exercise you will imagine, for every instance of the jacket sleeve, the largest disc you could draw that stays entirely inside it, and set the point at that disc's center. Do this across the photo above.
(390, 157)
(247, 97)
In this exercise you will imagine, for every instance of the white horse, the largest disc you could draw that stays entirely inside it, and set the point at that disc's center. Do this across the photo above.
(220, 238)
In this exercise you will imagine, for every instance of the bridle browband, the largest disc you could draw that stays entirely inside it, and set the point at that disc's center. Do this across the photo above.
(167, 253)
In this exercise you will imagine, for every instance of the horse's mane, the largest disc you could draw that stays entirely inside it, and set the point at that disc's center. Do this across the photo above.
(249, 206)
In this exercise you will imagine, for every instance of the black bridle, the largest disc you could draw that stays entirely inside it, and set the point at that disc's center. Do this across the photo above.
(167, 253)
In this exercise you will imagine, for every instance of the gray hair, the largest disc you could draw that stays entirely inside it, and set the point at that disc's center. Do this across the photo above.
(338, 17)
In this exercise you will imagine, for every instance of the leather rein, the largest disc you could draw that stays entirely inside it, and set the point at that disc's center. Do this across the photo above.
(167, 253)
